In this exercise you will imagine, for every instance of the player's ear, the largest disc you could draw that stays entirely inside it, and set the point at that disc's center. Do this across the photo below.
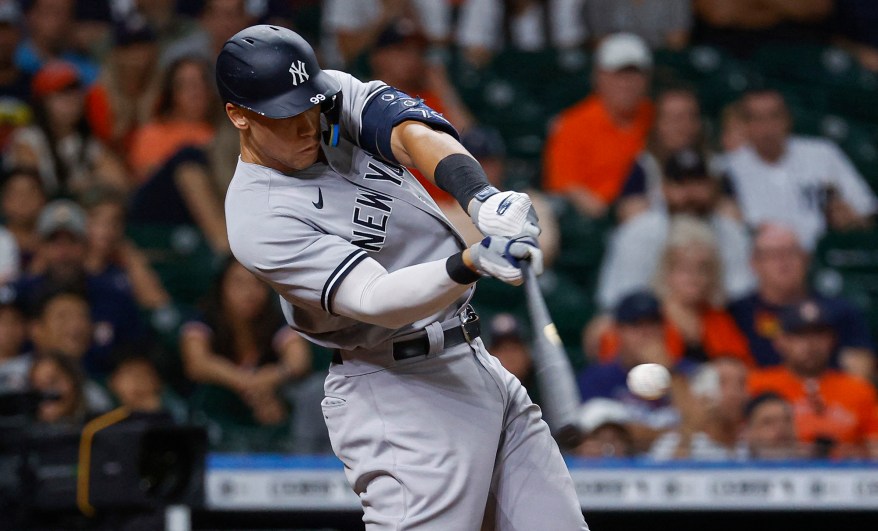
(237, 116)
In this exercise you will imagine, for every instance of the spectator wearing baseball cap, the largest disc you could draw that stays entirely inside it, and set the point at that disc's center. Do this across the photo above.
(769, 430)
(487, 146)
(60, 264)
(604, 424)
(639, 338)
(590, 169)
(60, 144)
(688, 189)
(780, 262)
(835, 412)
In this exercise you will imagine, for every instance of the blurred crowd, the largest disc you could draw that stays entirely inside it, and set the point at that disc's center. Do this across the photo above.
(117, 287)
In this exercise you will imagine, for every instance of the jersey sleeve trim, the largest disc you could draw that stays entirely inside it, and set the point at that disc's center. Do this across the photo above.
(337, 276)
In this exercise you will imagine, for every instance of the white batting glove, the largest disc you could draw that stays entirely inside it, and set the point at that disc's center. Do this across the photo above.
(499, 257)
(504, 213)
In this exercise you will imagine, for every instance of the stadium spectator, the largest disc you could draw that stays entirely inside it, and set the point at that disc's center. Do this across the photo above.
(13, 334)
(15, 95)
(677, 128)
(123, 97)
(61, 145)
(835, 413)
(242, 353)
(62, 323)
(634, 249)
(486, 27)
(184, 116)
(712, 410)
(806, 183)
(743, 26)
(50, 25)
(69, 401)
(661, 23)
(640, 339)
(486, 145)
(769, 432)
(60, 263)
(218, 21)
(353, 26)
(110, 255)
(604, 424)
(689, 284)
(781, 266)
(136, 385)
(22, 197)
(509, 346)
(590, 169)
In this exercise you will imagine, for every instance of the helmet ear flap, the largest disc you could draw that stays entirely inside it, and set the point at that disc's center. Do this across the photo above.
(331, 108)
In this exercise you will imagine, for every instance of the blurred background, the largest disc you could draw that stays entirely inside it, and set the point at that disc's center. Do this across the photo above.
(705, 175)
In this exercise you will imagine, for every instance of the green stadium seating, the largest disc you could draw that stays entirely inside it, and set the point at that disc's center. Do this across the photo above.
(847, 264)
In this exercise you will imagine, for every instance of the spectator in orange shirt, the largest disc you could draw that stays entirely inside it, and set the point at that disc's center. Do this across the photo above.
(184, 116)
(689, 284)
(594, 143)
(835, 412)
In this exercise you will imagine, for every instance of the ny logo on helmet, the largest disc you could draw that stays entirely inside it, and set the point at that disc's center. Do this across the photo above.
(297, 69)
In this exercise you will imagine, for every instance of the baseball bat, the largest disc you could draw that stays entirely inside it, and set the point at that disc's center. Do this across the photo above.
(559, 393)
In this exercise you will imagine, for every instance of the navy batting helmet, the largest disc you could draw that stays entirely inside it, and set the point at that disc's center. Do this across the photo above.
(274, 72)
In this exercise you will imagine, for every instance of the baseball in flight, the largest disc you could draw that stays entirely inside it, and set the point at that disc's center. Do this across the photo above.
(649, 380)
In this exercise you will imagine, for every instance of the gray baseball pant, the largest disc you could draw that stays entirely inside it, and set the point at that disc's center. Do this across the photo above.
(428, 443)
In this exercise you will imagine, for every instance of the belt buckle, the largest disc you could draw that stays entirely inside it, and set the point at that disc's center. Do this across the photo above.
(467, 315)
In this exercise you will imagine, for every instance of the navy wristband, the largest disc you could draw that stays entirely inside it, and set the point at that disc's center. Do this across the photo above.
(458, 271)
(462, 177)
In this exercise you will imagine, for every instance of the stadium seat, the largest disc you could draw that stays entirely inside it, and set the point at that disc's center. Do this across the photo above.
(847, 264)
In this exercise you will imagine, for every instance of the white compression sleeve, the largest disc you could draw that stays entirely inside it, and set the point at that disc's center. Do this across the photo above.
(392, 300)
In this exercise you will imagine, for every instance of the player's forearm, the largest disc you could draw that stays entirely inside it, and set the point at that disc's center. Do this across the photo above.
(417, 144)
(392, 300)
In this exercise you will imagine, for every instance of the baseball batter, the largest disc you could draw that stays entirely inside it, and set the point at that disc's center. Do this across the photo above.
(433, 432)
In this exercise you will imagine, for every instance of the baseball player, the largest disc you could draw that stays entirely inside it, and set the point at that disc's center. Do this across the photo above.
(433, 432)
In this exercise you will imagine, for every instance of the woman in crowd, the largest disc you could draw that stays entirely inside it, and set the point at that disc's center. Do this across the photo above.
(184, 116)
(689, 284)
(61, 145)
(242, 353)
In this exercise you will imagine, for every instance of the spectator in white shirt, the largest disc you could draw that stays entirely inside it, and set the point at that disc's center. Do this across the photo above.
(350, 27)
(802, 182)
(712, 407)
(9, 266)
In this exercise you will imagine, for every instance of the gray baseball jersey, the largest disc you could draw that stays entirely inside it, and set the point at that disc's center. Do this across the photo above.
(303, 233)
(448, 440)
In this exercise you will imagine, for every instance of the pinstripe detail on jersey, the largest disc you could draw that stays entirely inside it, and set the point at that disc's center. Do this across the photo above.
(337, 276)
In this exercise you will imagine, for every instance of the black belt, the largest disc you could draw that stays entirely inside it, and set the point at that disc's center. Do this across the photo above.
(419, 345)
